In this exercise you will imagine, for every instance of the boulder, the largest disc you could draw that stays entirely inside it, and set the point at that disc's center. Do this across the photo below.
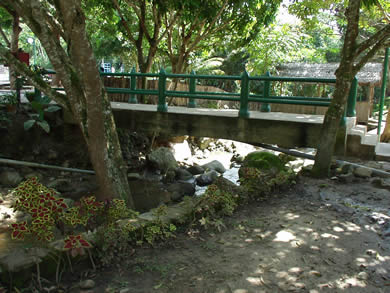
(214, 165)
(362, 172)
(162, 159)
(87, 284)
(61, 185)
(207, 178)
(183, 175)
(148, 194)
(180, 189)
(265, 161)
(226, 185)
(10, 178)
(195, 170)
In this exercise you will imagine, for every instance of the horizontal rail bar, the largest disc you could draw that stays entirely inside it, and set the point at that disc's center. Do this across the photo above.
(290, 102)
(205, 97)
(129, 74)
(293, 79)
(227, 77)
(112, 90)
(313, 99)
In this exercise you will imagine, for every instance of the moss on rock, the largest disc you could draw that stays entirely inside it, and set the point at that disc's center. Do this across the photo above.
(264, 161)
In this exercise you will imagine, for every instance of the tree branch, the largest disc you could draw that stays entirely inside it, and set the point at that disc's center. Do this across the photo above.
(35, 79)
(385, 15)
(124, 22)
(209, 28)
(5, 37)
(369, 54)
(385, 31)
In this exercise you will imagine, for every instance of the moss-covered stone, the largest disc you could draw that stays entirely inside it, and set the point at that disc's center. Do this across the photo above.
(264, 161)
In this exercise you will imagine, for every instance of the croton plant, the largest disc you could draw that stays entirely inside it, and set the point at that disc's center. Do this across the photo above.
(49, 211)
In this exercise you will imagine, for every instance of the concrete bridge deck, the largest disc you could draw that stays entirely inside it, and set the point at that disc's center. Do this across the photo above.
(283, 129)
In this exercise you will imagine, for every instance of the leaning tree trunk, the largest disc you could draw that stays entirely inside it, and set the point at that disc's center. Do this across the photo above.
(96, 118)
(344, 76)
(330, 128)
(86, 97)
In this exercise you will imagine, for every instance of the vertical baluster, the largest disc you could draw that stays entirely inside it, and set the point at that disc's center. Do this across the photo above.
(133, 80)
(265, 107)
(244, 113)
(192, 89)
(162, 82)
(351, 103)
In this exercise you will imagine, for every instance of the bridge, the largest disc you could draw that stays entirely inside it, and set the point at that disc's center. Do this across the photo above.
(284, 129)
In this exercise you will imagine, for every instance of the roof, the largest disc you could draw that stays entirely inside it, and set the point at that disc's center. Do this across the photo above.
(370, 73)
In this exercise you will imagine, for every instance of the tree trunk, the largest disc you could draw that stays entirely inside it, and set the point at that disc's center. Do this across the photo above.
(344, 76)
(87, 99)
(14, 46)
(385, 137)
(330, 128)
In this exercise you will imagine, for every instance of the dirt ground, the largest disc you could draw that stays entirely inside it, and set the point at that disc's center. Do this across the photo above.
(320, 236)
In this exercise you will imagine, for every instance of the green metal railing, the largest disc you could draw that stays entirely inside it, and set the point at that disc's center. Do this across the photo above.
(244, 97)
(383, 90)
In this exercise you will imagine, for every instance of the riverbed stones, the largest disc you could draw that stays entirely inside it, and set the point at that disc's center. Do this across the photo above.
(180, 189)
(207, 178)
(10, 178)
(362, 172)
(148, 194)
(195, 169)
(162, 159)
(183, 174)
(87, 284)
(214, 165)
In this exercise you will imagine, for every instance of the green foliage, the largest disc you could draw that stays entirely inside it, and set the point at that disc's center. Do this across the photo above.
(8, 99)
(45, 209)
(213, 205)
(258, 183)
(40, 106)
(158, 229)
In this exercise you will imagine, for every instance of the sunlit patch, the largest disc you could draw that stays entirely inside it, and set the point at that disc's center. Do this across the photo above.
(249, 240)
(281, 254)
(337, 249)
(291, 216)
(282, 275)
(314, 247)
(351, 227)
(284, 236)
(327, 235)
(295, 270)
(255, 281)
(257, 230)
(315, 236)
(338, 229)
(306, 229)
(345, 283)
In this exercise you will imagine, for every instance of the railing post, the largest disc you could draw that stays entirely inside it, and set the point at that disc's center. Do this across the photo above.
(133, 79)
(192, 87)
(383, 89)
(351, 103)
(37, 94)
(265, 107)
(244, 113)
(162, 82)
